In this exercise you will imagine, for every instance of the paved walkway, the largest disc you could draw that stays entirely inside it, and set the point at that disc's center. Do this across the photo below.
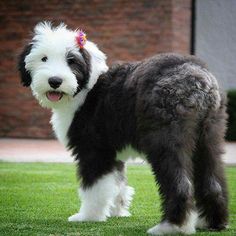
(34, 150)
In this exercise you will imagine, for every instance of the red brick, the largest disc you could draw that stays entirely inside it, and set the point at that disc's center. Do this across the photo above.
(124, 30)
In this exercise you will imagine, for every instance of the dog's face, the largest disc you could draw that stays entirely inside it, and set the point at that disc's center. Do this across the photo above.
(56, 68)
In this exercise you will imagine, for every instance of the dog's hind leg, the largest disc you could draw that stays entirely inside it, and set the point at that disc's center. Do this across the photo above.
(210, 185)
(99, 188)
(176, 189)
(125, 196)
(170, 158)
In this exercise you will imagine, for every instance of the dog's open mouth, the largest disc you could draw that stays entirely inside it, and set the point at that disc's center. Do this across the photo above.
(54, 96)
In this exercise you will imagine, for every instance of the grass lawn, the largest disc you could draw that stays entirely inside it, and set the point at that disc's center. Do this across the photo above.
(36, 199)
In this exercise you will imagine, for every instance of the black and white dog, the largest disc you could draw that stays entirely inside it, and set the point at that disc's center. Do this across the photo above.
(168, 107)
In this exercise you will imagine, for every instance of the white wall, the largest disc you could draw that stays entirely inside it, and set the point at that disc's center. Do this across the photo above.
(215, 38)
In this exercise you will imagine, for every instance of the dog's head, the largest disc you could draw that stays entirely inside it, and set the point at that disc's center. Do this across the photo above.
(56, 67)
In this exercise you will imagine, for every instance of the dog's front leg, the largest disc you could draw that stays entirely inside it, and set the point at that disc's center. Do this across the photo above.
(97, 200)
(98, 189)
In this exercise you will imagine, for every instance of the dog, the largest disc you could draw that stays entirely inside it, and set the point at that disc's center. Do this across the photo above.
(168, 107)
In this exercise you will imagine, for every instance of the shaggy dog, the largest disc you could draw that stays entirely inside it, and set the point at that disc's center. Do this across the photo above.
(168, 107)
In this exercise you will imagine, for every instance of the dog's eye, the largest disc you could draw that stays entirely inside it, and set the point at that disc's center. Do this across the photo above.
(44, 59)
(71, 61)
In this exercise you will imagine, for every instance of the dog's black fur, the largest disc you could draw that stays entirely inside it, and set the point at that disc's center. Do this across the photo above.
(24, 74)
(80, 67)
(143, 104)
(166, 108)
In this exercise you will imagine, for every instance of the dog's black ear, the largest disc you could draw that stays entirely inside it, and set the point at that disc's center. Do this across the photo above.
(24, 74)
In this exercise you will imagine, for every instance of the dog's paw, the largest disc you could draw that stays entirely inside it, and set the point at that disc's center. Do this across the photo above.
(78, 217)
(121, 213)
(168, 228)
(202, 223)
(163, 228)
(124, 213)
(74, 218)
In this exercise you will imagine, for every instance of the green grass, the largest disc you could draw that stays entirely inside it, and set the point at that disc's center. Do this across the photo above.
(36, 199)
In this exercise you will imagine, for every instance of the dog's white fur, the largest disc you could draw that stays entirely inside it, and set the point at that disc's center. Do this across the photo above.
(97, 200)
(108, 197)
(122, 201)
(167, 228)
(62, 116)
(202, 223)
(55, 44)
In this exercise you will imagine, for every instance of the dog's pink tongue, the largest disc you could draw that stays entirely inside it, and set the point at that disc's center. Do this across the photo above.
(54, 96)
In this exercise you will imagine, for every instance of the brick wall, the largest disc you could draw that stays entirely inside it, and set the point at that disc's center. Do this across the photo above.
(124, 30)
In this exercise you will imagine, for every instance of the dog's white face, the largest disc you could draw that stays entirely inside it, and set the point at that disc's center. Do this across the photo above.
(56, 68)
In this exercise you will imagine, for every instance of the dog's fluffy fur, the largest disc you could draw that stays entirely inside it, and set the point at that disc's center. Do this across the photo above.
(168, 107)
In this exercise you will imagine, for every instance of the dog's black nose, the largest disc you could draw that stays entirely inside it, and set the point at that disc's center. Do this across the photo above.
(55, 82)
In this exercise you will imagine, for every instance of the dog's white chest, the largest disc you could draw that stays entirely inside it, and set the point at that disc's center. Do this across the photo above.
(61, 123)
(63, 117)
